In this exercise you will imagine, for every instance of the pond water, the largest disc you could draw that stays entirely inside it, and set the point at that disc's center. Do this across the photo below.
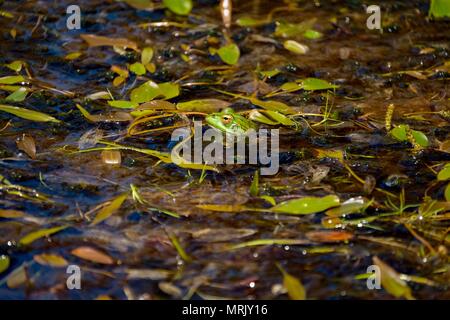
(164, 240)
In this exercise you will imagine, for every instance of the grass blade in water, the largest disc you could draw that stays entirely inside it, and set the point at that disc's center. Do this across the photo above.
(110, 209)
(28, 114)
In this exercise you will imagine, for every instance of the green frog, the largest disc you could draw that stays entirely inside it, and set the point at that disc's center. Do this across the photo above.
(230, 122)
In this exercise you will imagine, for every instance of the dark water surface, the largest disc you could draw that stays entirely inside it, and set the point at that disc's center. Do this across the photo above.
(145, 264)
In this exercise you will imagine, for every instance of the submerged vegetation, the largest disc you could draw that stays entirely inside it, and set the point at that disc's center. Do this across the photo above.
(88, 178)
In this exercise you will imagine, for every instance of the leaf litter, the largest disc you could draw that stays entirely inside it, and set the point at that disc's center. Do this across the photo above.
(85, 144)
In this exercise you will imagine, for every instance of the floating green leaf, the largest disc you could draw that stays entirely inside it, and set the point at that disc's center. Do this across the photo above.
(288, 30)
(256, 115)
(294, 287)
(146, 55)
(123, 104)
(391, 281)
(15, 65)
(229, 54)
(251, 22)
(440, 8)
(4, 263)
(444, 174)
(27, 114)
(295, 47)
(270, 117)
(151, 90)
(280, 118)
(269, 199)
(420, 138)
(312, 34)
(399, 133)
(181, 7)
(269, 73)
(109, 210)
(145, 92)
(203, 105)
(18, 96)
(12, 80)
(169, 90)
(307, 205)
(138, 68)
(33, 236)
(290, 86)
(312, 84)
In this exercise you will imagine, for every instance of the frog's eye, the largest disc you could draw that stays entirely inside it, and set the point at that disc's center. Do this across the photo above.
(226, 119)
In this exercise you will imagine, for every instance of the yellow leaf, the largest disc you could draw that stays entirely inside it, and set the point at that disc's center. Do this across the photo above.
(110, 209)
(27, 114)
(294, 287)
(51, 260)
(73, 56)
(329, 153)
(33, 236)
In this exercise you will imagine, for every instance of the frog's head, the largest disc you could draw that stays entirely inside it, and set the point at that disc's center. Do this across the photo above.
(223, 121)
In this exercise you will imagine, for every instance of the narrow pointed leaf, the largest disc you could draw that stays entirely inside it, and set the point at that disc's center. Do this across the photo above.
(181, 7)
(110, 209)
(27, 114)
(391, 281)
(229, 54)
(307, 205)
(33, 236)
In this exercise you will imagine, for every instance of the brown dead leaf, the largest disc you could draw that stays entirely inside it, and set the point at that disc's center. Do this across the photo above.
(329, 236)
(416, 74)
(93, 255)
(26, 144)
(98, 41)
(111, 157)
(17, 278)
(11, 214)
